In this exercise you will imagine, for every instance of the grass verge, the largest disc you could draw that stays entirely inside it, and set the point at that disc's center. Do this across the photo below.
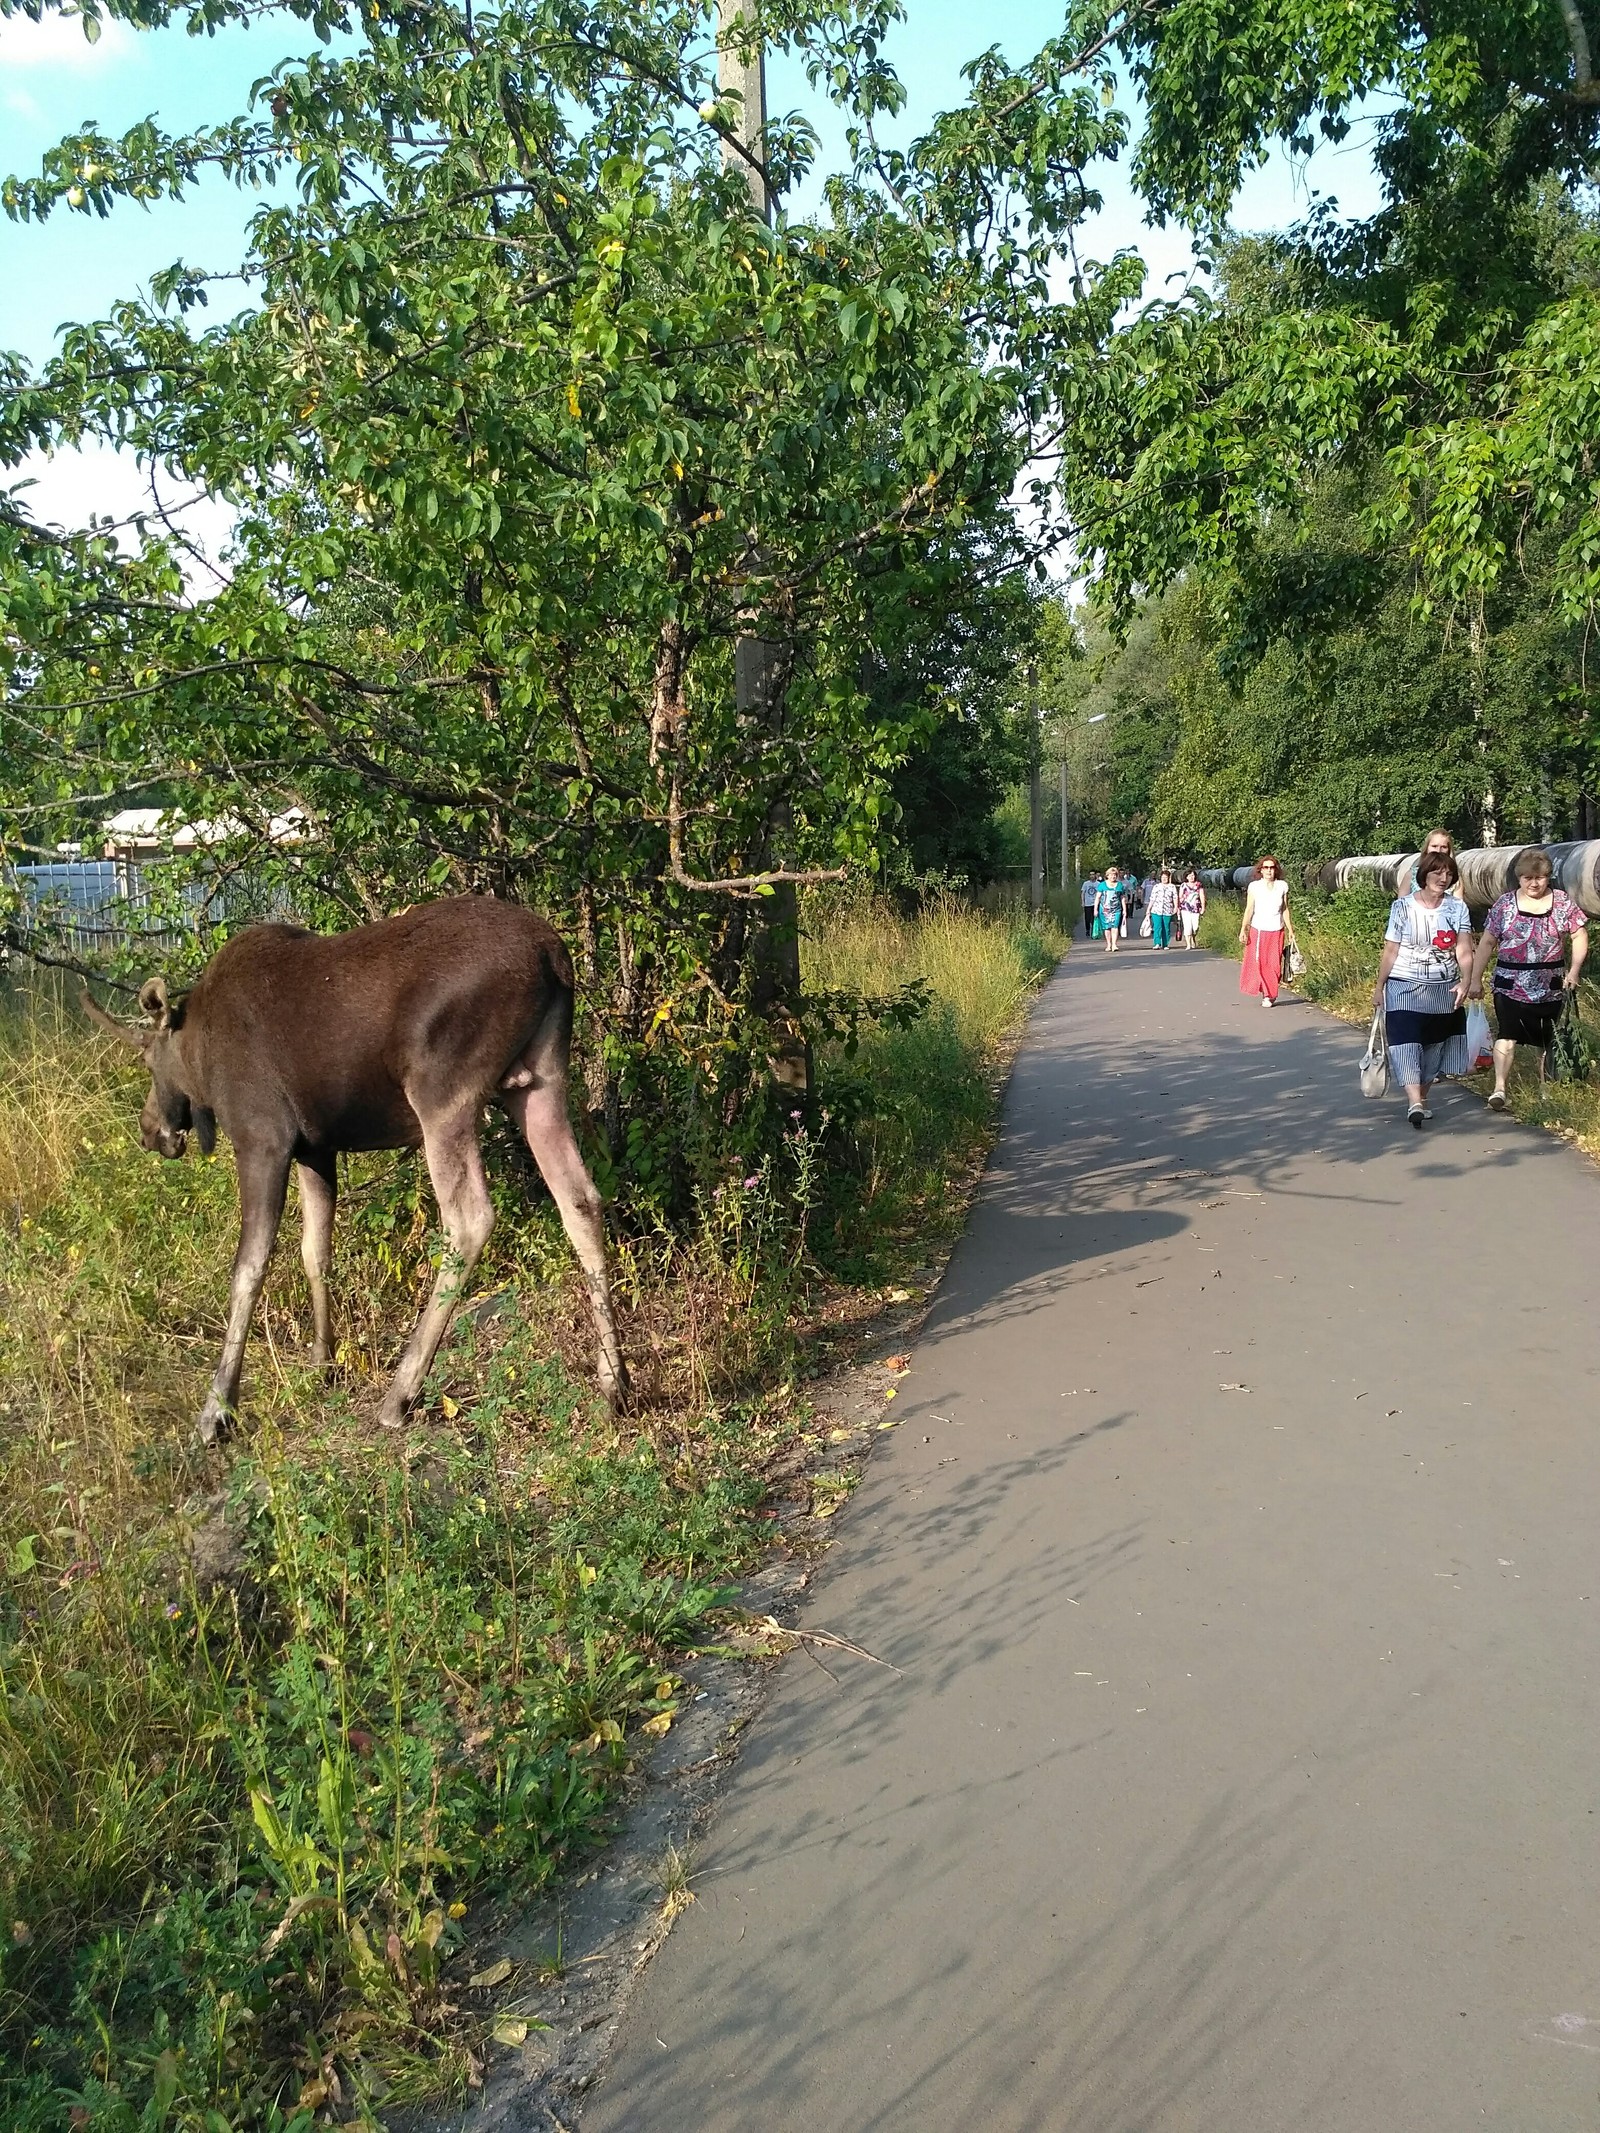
(279, 1739)
(1340, 937)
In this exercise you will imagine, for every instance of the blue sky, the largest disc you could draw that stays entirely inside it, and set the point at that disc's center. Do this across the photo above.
(75, 266)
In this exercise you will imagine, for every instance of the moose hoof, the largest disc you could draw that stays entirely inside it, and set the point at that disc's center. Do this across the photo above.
(213, 1423)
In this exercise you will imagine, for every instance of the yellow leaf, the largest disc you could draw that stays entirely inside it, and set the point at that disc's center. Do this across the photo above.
(573, 409)
(657, 1725)
(509, 2029)
(664, 1688)
(451, 1407)
(496, 1974)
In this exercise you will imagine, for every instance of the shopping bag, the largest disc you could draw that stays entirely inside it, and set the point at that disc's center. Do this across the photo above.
(1375, 1059)
(1145, 927)
(1571, 1048)
(1480, 1040)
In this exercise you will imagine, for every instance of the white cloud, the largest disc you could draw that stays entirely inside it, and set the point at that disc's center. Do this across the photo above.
(58, 41)
(19, 101)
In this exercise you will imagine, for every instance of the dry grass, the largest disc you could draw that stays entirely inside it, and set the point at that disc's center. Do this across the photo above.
(981, 968)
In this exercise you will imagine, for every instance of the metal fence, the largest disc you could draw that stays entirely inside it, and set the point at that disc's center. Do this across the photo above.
(96, 908)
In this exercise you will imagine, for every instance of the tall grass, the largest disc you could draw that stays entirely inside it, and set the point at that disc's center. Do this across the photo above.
(275, 1733)
(979, 968)
(914, 1105)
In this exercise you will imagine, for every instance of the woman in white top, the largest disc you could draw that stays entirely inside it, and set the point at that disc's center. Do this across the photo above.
(1424, 976)
(1265, 923)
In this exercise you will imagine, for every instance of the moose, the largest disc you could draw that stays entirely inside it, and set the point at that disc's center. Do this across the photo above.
(301, 1045)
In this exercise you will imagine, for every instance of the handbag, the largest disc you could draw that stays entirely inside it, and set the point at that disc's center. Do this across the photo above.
(1297, 963)
(1571, 1048)
(1375, 1059)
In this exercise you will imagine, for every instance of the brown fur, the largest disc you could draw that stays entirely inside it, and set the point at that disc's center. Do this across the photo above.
(300, 1046)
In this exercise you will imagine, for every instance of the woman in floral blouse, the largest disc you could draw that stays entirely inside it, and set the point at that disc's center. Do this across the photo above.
(1532, 974)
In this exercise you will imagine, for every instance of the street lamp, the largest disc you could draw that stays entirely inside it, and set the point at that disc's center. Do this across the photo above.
(1098, 719)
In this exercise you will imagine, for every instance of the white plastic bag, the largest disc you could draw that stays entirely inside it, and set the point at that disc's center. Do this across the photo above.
(1375, 1060)
(1145, 927)
(1480, 1039)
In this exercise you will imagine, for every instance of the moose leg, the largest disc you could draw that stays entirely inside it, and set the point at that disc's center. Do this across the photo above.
(541, 1113)
(263, 1184)
(456, 1168)
(319, 1192)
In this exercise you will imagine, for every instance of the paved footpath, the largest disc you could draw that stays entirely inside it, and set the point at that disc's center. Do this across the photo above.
(1241, 1552)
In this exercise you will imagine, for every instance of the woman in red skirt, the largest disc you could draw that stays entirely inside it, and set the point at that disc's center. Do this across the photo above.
(1266, 921)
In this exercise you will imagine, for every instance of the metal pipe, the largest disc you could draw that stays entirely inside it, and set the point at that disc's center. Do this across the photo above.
(1487, 871)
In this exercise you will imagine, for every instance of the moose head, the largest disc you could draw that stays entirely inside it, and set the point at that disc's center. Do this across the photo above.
(171, 1111)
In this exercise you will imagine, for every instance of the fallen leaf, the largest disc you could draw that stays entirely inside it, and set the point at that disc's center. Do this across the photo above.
(661, 1723)
(509, 2029)
(496, 1974)
(897, 1362)
(892, 1424)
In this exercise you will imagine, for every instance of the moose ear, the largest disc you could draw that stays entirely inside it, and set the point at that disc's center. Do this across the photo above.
(153, 999)
(135, 1039)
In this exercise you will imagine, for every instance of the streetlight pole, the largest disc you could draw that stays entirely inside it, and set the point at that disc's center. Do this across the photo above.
(1065, 883)
(1035, 797)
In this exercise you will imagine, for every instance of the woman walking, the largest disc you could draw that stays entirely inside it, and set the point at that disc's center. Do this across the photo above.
(1530, 928)
(1163, 905)
(1422, 985)
(1191, 904)
(1091, 903)
(1109, 910)
(1266, 921)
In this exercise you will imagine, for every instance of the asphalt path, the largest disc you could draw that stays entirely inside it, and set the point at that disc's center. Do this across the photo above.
(1240, 1552)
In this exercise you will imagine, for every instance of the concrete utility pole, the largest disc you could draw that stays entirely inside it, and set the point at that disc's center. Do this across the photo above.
(748, 80)
(758, 663)
(1065, 883)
